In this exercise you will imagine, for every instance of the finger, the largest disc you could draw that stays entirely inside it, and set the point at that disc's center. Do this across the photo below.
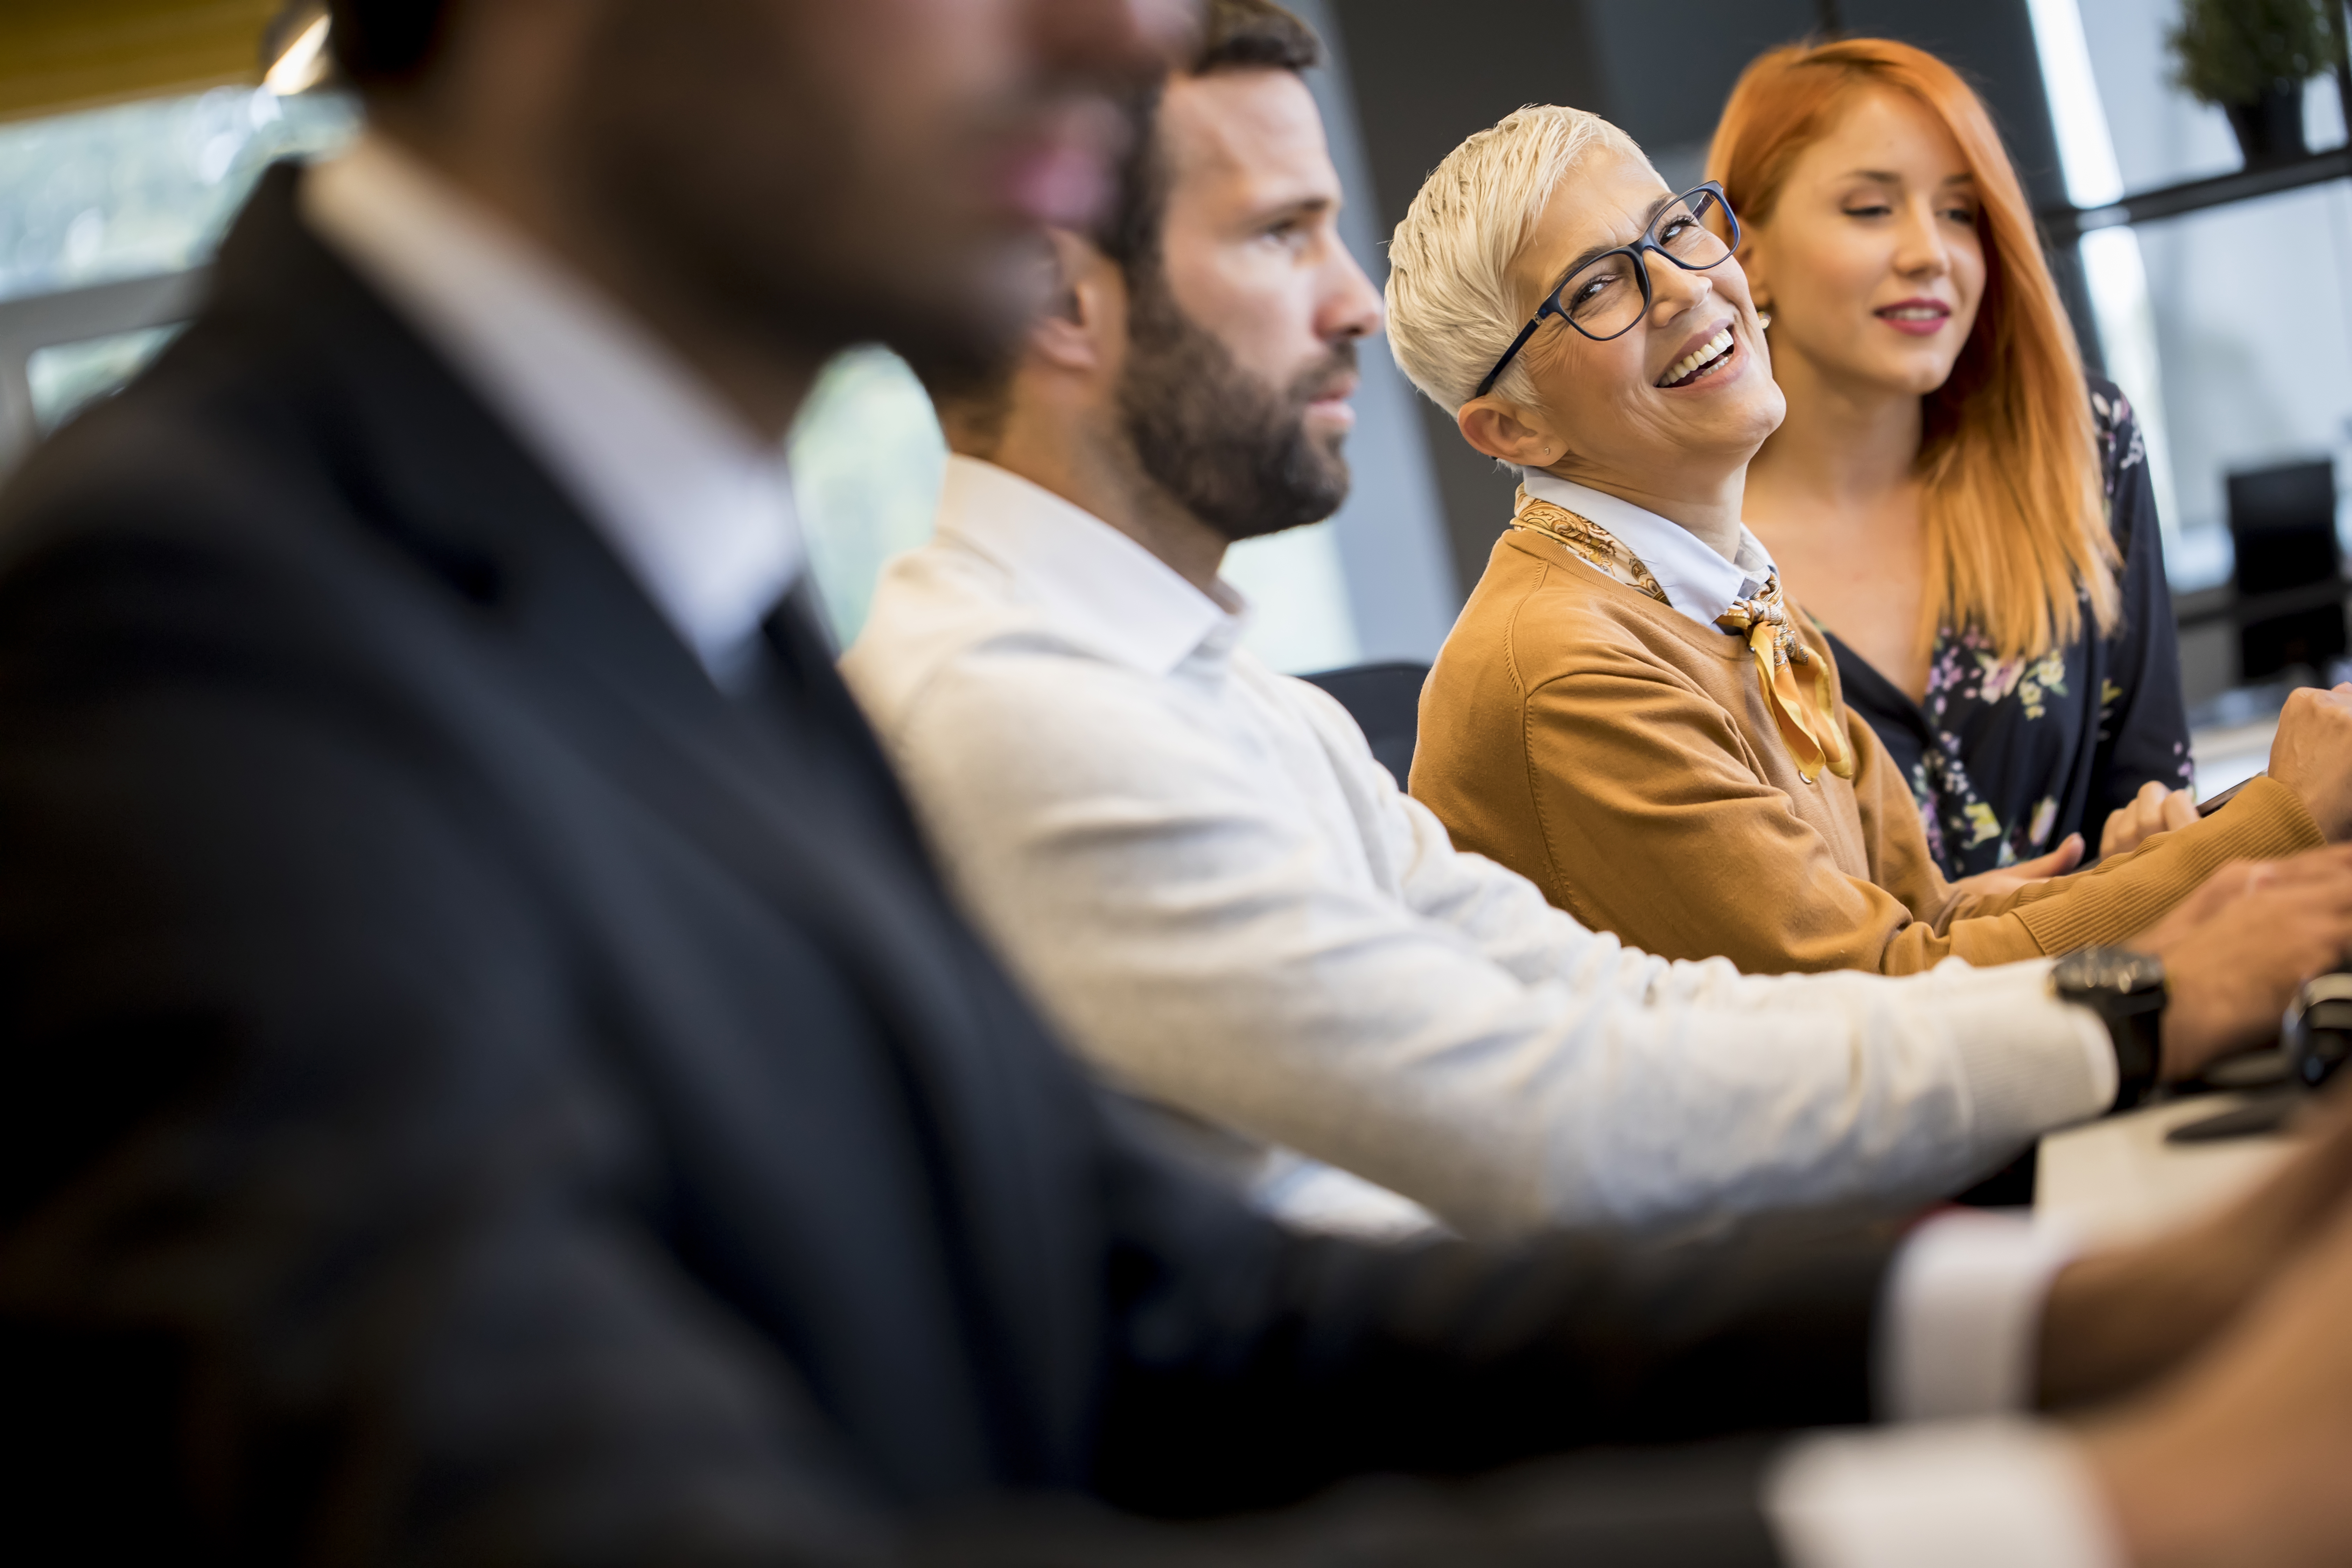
(2231, 881)
(2315, 868)
(2064, 859)
(2293, 934)
(2118, 834)
(2179, 810)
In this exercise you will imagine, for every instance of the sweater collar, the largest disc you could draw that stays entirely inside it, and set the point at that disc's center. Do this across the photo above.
(1697, 581)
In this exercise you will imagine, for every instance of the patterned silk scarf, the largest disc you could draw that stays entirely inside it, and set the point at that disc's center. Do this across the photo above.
(1808, 729)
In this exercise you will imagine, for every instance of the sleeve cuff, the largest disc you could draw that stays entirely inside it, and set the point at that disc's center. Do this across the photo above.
(2126, 895)
(1963, 1311)
(2031, 1062)
(1960, 1496)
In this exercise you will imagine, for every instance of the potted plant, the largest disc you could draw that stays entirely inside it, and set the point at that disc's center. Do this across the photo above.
(2251, 58)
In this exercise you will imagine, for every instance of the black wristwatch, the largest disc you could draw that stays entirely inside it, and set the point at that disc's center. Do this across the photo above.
(2127, 991)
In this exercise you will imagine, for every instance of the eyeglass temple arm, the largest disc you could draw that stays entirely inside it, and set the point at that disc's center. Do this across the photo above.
(1512, 352)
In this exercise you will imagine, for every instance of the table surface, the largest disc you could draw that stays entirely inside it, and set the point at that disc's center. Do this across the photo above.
(2117, 1177)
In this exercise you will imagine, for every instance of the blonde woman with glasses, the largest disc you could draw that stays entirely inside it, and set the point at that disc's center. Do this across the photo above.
(1631, 711)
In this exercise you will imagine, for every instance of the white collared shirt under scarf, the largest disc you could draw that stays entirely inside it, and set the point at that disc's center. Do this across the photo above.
(697, 505)
(1699, 582)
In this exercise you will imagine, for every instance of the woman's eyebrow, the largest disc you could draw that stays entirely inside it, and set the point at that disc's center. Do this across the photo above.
(1594, 252)
(1890, 177)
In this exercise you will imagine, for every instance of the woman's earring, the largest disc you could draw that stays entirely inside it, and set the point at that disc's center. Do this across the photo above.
(1763, 316)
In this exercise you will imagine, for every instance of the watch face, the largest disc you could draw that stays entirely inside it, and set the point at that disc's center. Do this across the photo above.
(2111, 969)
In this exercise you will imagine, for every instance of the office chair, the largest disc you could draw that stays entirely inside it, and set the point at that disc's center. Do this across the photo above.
(1384, 700)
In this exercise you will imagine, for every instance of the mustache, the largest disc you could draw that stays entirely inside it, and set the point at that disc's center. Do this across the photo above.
(1325, 376)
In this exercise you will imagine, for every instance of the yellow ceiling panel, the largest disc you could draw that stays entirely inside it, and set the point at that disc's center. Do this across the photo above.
(57, 54)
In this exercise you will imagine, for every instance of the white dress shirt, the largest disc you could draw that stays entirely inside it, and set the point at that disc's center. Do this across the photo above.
(1227, 905)
(1697, 581)
(695, 505)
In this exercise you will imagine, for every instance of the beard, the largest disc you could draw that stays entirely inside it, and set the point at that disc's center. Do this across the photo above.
(1232, 449)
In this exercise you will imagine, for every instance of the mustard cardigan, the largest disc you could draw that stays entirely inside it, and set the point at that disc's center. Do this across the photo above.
(1621, 756)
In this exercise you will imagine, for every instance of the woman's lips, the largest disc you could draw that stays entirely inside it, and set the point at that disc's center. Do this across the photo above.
(1919, 318)
(1704, 365)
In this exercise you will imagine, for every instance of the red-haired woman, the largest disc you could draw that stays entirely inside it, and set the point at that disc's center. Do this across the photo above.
(1977, 535)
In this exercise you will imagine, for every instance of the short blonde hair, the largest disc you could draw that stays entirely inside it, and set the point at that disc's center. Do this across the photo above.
(1451, 312)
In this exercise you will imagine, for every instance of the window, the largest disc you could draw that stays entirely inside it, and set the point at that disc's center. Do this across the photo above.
(144, 191)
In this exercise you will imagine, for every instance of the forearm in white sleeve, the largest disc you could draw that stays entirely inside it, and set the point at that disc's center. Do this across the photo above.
(2008, 1492)
(1970, 1482)
(1180, 918)
(1962, 1316)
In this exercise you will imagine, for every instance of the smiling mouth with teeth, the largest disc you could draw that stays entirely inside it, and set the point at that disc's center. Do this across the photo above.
(1704, 360)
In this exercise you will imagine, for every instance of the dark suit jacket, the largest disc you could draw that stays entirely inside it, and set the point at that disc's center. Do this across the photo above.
(473, 1092)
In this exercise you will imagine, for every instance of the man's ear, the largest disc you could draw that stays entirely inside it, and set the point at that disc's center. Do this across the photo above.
(1503, 429)
(1087, 307)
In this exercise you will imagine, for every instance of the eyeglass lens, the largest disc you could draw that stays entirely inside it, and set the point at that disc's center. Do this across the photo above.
(1605, 298)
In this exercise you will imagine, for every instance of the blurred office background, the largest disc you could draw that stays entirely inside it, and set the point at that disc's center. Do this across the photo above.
(2216, 289)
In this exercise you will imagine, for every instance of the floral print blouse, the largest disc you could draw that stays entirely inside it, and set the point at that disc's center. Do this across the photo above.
(2006, 757)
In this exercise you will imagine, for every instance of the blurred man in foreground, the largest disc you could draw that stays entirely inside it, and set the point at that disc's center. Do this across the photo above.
(491, 1076)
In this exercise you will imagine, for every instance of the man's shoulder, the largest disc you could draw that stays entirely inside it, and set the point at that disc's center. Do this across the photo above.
(202, 466)
(221, 524)
(949, 628)
(229, 418)
(1304, 700)
(977, 692)
(200, 419)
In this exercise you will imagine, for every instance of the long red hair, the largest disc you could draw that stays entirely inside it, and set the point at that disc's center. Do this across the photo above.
(2016, 529)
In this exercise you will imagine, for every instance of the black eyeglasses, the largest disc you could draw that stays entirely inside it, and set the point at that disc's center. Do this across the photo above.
(1603, 297)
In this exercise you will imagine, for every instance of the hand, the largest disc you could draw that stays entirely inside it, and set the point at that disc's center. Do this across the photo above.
(2118, 1320)
(2154, 810)
(2235, 950)
(2239, 1459)
(2312, 755)
(1986, 885)
(2229, 882)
